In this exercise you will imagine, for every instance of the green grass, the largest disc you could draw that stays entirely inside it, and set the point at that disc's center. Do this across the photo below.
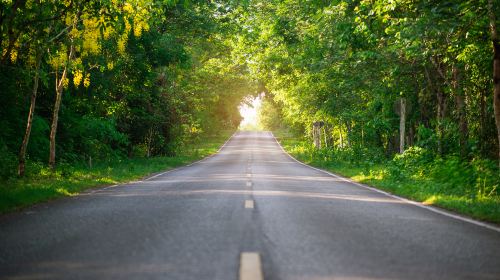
(43, 185)
(447, 184)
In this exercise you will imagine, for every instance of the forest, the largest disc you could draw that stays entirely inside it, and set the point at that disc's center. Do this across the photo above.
(412, 85)
(405, 95)
(103, 80)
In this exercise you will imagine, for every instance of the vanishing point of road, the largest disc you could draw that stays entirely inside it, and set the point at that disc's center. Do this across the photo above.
(248, 212)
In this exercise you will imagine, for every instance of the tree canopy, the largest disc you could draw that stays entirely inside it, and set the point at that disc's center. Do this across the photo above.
(131, 78)
(354, 64)
(114, 78)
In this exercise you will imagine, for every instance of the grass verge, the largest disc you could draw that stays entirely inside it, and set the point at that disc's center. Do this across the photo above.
(43, 185)
(448, 183)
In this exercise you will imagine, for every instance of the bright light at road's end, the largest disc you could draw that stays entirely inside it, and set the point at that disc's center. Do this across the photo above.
(249, 111)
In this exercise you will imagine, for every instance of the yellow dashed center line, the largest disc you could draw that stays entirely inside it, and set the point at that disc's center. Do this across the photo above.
(250, 266)
(249, 204)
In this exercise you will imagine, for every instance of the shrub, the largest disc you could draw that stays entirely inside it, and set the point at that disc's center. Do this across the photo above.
(487, 178)
(413, 159)
(455, 175)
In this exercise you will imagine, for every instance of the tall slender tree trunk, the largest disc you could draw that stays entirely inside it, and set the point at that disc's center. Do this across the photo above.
(441, 100)
(57, 106)
(348, 136)
(24, 144)
(362, 136)
(482, 121)
(149, 142)
(411, 135)
(463, 126)
(441, 112)
(55, 118)
(325, 136)
(341, 137)
(402, 122)
(317, 135)
(496, 70)
(314, 136)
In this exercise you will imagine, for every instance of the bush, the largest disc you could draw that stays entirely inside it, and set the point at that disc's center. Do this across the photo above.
(414, 159)
(487, 178)
(455, 175)
(426, 138)
(99, 139)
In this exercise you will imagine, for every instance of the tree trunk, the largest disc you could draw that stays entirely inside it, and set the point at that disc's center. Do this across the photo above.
(341, 137)
(318, 131)
(55, 115)
(411, 135)
(325, 136)
(348, 136)
(441, 100)
(55, 118)
(441, 108)
(482, 121)
(496, 70)
(317, 136)
(362, 136)
(461, 110)
(402, 121)
(149, 141)
(314, 135)
(24, 144)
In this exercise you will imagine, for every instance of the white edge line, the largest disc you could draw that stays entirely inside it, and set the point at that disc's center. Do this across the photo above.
(109, 187)
(171, 170)
(415, 203)
(193, 163)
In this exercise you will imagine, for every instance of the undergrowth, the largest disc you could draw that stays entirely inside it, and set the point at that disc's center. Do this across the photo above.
(467, 187)
(41, 184)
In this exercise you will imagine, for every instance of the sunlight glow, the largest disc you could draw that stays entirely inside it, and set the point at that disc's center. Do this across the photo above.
(249, 111)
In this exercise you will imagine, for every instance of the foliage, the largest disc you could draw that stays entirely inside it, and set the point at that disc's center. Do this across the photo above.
(349, 63)
(148, 77)
(137, 78)
(469, 188)
(41, 184)
(270, 114)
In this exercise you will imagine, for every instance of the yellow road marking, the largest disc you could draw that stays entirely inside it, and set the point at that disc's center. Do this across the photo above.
(250, 266)
(249, 204)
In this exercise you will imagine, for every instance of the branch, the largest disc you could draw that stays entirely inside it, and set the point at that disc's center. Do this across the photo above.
(440, 72)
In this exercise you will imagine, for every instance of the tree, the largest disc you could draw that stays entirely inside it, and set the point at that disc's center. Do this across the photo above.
(496, 67)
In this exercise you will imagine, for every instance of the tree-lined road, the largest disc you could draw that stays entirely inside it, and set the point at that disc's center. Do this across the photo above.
(195, 222)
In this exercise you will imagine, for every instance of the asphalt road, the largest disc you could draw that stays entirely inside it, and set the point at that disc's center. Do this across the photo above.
(195, 222)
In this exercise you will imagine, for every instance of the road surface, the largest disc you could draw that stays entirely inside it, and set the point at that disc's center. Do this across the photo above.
(249, 212)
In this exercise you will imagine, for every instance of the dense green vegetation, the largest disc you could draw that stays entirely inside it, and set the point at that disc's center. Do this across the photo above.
(103, 80)
(406, 88)
(352, 64)
(42, 184)
(406, 93)
(450, 183)
(101, 91)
